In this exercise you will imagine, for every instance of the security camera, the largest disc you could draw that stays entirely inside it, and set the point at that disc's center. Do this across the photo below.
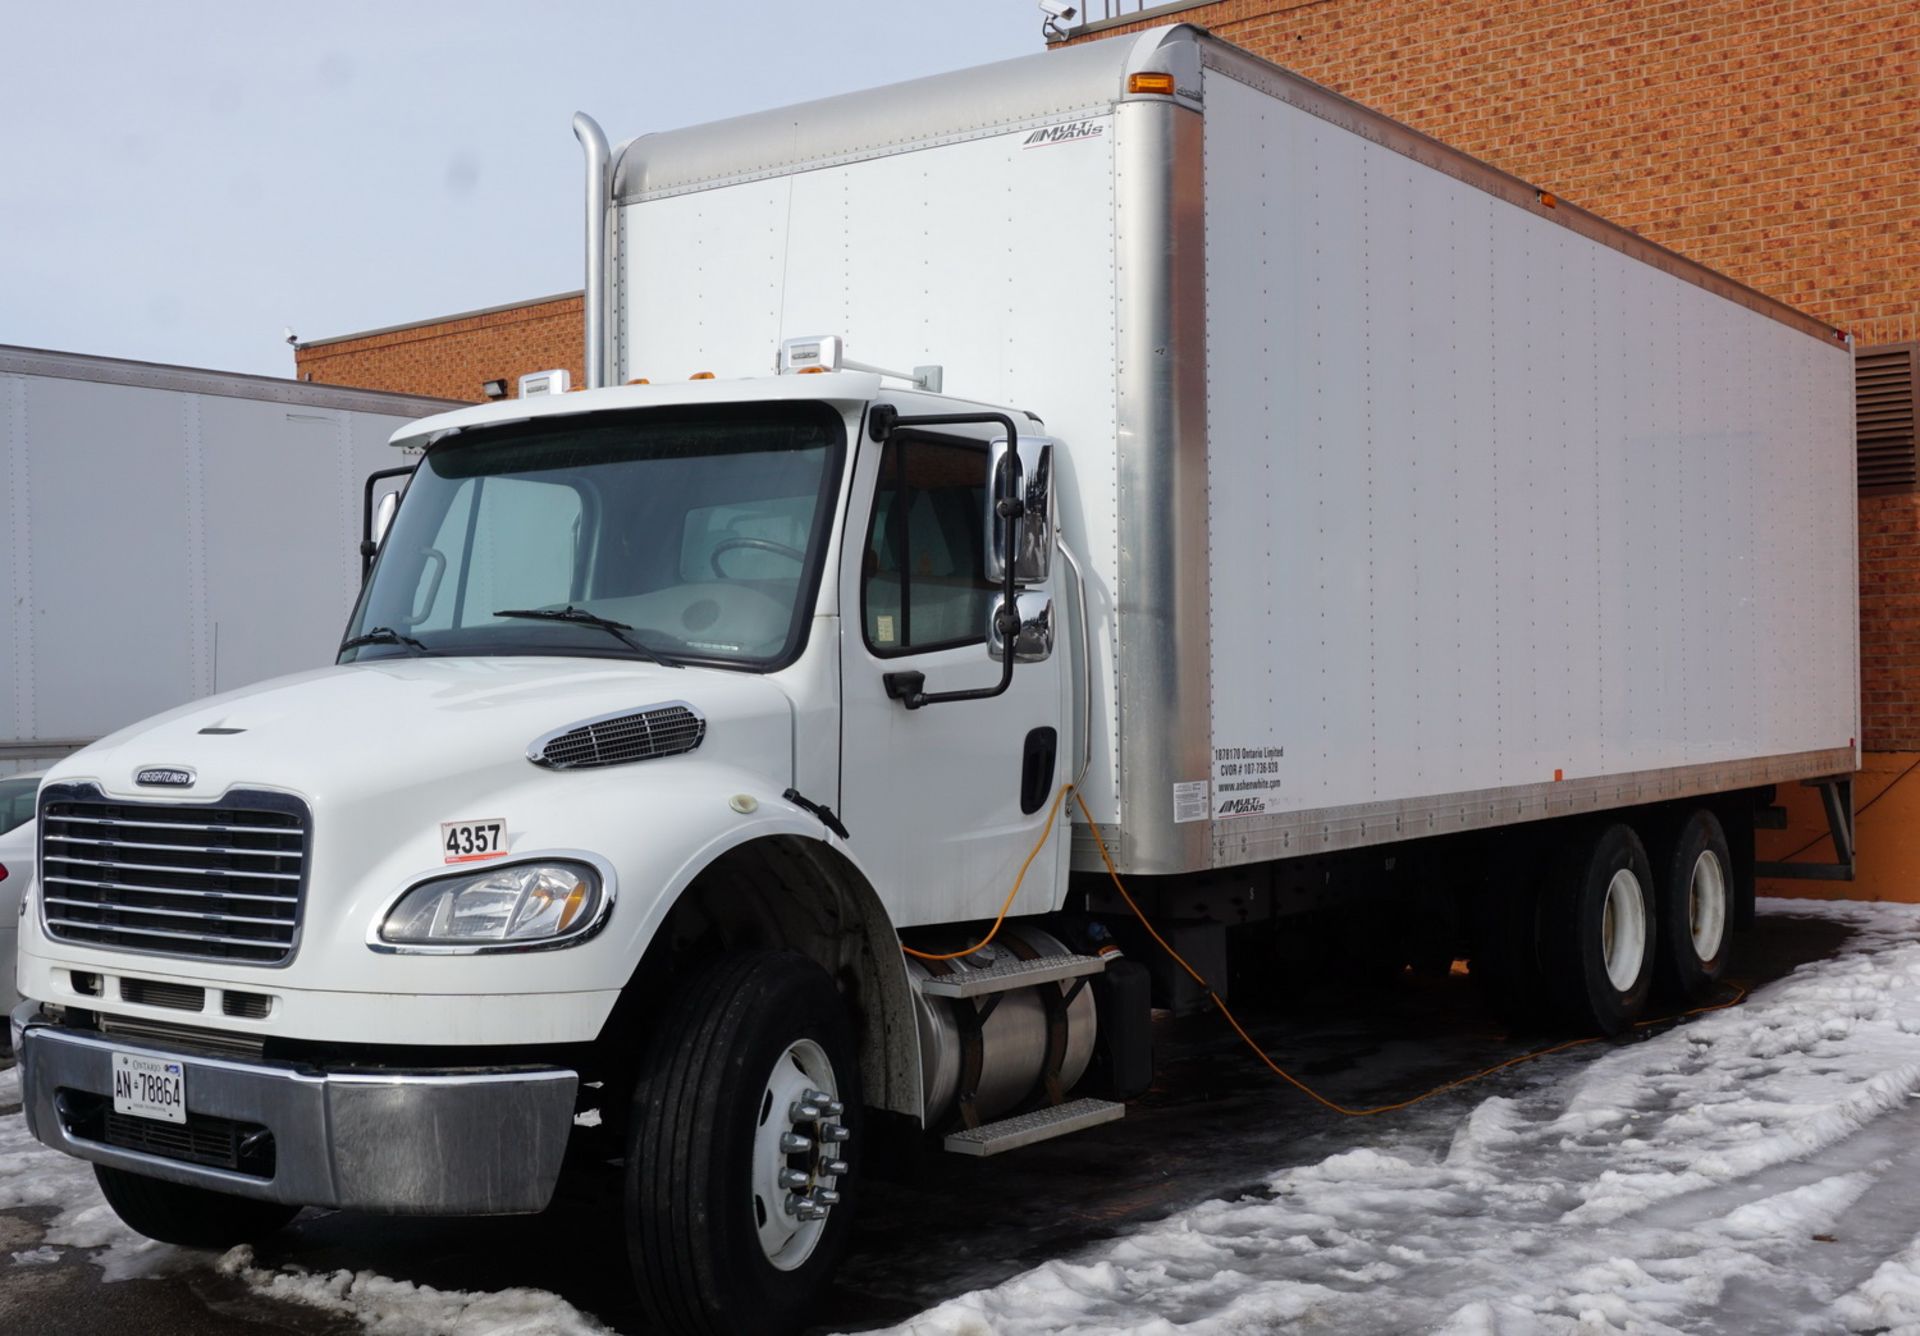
(1055, 10)
(290, 336)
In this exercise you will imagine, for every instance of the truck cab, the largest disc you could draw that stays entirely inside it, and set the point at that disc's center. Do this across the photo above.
(647, 707)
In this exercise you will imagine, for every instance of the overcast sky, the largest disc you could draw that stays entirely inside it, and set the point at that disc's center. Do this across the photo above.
(180, 182)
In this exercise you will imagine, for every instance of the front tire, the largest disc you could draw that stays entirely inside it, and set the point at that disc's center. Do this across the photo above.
(188, 1216)
(1696, 908)
(1598, 930)
(735, 1225)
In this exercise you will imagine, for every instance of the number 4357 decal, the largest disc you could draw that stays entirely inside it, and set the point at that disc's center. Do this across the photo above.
(470, 841)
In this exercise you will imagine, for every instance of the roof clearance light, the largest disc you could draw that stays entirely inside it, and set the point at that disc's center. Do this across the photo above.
(701, 375)
(639, 380)
(1148, 81)
(816, 353)
(811, 371)
(1548, 199)
(558, 381)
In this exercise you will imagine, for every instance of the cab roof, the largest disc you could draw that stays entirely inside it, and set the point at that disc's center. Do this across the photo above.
(841, 388)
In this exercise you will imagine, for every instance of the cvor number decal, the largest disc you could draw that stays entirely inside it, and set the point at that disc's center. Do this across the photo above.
(469, 841)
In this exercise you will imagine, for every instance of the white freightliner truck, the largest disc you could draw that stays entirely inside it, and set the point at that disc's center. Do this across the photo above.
(1339, 515)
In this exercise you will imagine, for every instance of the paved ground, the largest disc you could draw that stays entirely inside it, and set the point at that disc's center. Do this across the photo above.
(1215, 1124)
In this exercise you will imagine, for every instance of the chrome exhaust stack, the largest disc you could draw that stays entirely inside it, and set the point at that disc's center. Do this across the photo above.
(594, 142)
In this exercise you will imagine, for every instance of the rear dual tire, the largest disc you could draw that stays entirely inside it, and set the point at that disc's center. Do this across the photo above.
(1696, 908)
(1598, 929)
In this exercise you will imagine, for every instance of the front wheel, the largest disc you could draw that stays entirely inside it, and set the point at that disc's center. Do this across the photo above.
(742, 1147)
(189, 1216)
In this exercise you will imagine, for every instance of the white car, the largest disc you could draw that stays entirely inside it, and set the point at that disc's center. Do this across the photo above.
(16, 868)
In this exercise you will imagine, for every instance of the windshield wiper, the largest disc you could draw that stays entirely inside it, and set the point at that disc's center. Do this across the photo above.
(618, 630)
(384, 635)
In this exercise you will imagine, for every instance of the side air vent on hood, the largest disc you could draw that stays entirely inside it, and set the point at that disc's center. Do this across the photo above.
(615, 739)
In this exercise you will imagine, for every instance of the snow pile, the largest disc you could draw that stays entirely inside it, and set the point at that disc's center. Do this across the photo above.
(32, 1175)
(1750, 1170)
(397, 1308)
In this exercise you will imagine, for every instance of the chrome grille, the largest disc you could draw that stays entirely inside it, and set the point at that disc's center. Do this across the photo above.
(616, 739)
(217, 883)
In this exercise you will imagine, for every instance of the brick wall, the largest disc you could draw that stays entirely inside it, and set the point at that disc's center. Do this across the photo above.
(453, 358)
(1777, 141)
(1773, 140)
(1890, 622)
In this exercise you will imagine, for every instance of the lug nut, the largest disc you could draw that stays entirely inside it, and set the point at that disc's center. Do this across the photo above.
(792, 1178)
(803, 1113)
(833, 1133)
(792, 1143)
(833, 1108)
(835, 1168)
(818, 1097)
(827, 1197)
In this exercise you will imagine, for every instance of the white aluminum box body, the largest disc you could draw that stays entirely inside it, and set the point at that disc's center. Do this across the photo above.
(171, 533)
(1411, 503)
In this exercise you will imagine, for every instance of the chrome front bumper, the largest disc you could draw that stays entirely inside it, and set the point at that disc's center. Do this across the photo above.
(438, 1142)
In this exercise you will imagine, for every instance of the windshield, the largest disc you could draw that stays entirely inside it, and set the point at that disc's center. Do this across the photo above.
(16, 801)
(697, 533)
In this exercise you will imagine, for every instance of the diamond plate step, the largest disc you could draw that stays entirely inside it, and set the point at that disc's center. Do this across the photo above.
(964, 982)
(1041, 1125)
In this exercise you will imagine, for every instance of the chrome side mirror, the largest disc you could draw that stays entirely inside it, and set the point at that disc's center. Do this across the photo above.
(1033, 641)
(383, 516)
(1025, 475)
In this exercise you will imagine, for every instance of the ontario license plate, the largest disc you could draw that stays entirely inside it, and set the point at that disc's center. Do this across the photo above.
(149, 1088)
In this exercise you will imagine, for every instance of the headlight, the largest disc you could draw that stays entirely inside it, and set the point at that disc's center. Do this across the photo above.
(524, 903)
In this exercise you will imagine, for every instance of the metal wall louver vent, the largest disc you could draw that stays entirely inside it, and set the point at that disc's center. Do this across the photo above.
(615, 739)
(1886, 383)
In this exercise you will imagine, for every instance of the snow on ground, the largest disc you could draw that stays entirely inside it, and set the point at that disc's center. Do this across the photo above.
(1756, 1169)
(398, 1308)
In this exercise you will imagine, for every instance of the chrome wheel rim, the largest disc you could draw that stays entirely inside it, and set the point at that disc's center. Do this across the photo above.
(1707, 905)
(1623, 930)
(797, 1166)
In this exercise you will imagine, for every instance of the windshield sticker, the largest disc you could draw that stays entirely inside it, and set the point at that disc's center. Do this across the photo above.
(471, 841)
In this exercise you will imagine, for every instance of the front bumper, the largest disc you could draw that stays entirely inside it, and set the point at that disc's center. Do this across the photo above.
(461, 1141)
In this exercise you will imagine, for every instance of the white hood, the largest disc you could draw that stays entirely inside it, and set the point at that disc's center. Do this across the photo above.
(388, 727)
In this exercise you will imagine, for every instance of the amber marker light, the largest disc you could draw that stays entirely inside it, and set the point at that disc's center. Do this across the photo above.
(1148, 81)
(701, 375)
(1548, 200)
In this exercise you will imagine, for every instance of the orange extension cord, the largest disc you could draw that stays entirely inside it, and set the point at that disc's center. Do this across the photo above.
(1046, 833)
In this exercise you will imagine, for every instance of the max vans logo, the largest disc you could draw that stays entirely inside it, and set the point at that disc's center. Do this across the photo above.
(1062, 134)
(167, 776)
(1242, 807)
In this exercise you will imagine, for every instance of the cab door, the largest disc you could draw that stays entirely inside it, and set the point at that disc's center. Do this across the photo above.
(944, 802)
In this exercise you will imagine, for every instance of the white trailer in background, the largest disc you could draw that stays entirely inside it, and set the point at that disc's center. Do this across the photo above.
(1347, 521)
(171, 533)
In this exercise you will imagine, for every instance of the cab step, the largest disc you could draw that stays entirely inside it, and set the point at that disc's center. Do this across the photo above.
(1041, 1125)
(1009, 974)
